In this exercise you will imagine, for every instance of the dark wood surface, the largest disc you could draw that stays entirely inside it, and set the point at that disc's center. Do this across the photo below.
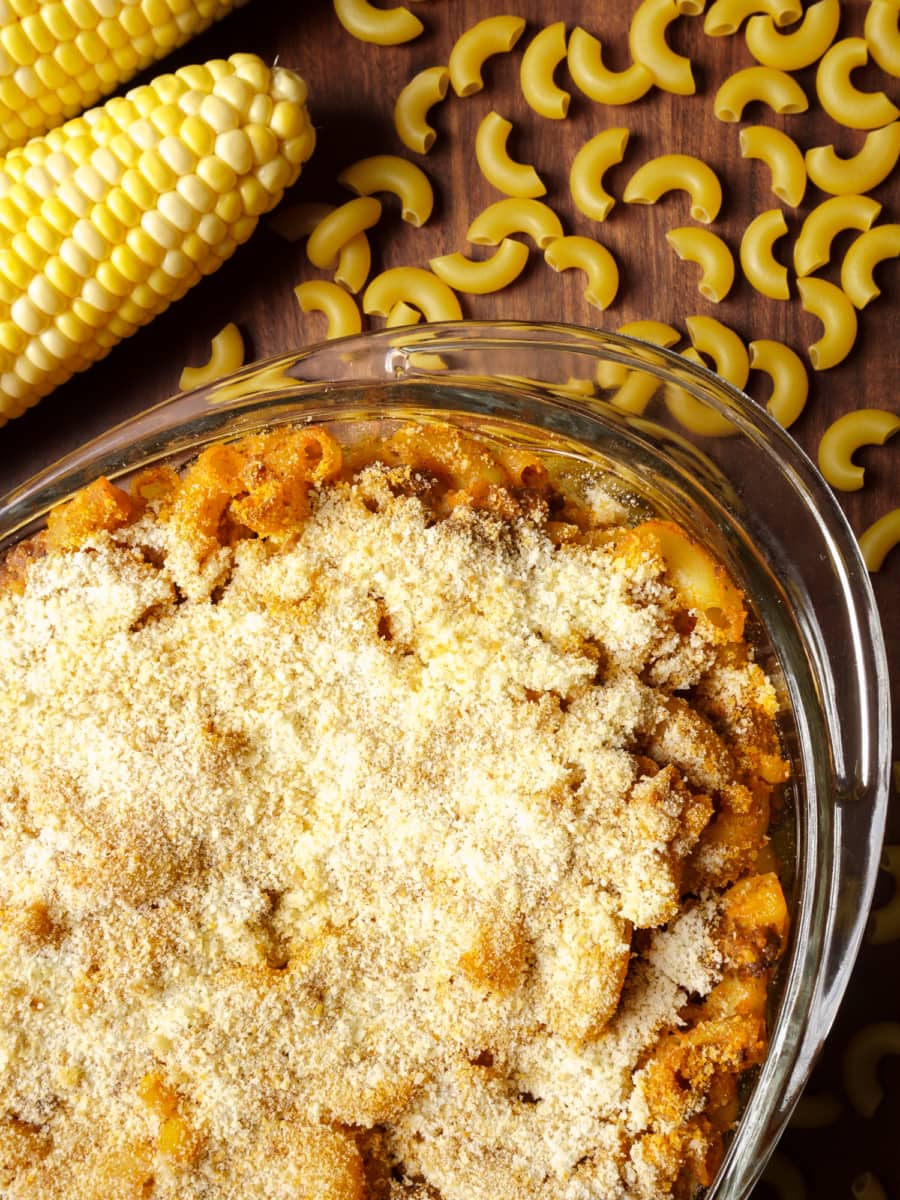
(352, 89)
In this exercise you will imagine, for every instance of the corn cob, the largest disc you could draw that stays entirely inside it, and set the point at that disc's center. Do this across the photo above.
(57, 58)
(107, 219)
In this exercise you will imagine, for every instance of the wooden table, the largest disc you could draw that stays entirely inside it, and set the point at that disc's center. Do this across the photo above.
(352, 89)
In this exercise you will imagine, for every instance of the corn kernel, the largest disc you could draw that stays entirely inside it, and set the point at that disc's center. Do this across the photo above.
(162, 231)
(155, 170)
(125, 150)
(297, 150)
(50, 73)
(12, 338)
(73, 327)
(252, 70)
(217, 174)
(112, 280)
(176, 155)
(29, 252)
(145, 134)
(243, 228)
(138, 189)
(59, 22)
(112, 33)
(84, 14)
(167, 119)
(145, 247)
(89, 238)
(144, 98)
(17, 46)
(288, 86)
(218, 114)
(97, 295)
(92, 46)
(134, 22)
(63, 278)
(195, 248)
(275, 176)
(58, 216)
(211, 229)
(177, 265)
(198, 194)
(40, 181)
(43, 234)
(93, 317)
(57, 344)
(229, 207)
(144, 296)
(196, 76)
(107, 165)
(236, 92)
(75, 258)
(260, 110)
(107, 224)
(177, 210)
(218, 67)
(89, 180)
(28, 82)
(27, 316)
(70, 59)
(45, 297)
(254, 197)
(169, 87)
(234, 149)
(123, 207)
(126, 59)
(287, 120)
(197, 136)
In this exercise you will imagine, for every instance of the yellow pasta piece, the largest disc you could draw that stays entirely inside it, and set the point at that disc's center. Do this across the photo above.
(635, 388)
(321, 295)
(780, 91)
(709, 252)
(677, 172)
(390, 173)
(690, 8)
(838, 316)
(226, 357)
(658, 333)
(493, 35)
(414, 103)
(696, 416)
(402, 314)
(297, 221)
(865, 1050)
(506, 217)
(511, 178)
(588, 166)
(843, 437)
(584, 254)
(876, 542)
(544, 54)
(868, 1187)
(382, 26)
(782, 156)
(790, 382)
(760, 267)
(354, 263)
(860, 261)
(812, 248)
(843, 102)
(725, 16)
(730, 361)
(334, 231)
(802, 46)
(862, 171)
(883, 36)
(416, 287)
(481, 276)
(884, 925)
(597, 81)
(647, 42)
(700, 582)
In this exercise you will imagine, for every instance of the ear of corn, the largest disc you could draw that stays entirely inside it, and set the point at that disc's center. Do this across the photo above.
(57, 58)
(107, 219)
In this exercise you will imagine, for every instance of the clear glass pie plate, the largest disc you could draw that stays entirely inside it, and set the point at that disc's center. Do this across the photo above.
(694, 449)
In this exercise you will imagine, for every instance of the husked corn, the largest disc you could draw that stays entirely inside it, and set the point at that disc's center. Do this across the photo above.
(59, 58)
(107, 219)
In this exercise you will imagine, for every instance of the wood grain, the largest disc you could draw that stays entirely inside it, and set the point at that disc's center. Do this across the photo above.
(352, 89)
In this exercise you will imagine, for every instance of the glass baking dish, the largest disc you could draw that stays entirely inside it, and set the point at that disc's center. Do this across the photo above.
(693, 448)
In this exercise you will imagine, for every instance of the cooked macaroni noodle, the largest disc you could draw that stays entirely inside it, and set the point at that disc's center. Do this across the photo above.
(782, 156)
(883, 36)
(876, 542)
(339, 308)
(414, 103)
(354, 263)
(862, 171)
(838, 316)
(597, 154)
(584, 254)
(505, 217)
(780, 91)
(647, 43)
(597, 81)
(760, 267)
(493, 35)
(860, 261)
(512, 178)
(865, 1050)
(790, 382)
(843, 102)
(802, 46)
(725, 16)
(841, 440)
(710, 253)
(383, 26)
(543, 55)
(480, 276)
(417, 287)
(333, 232)
(812, 248)
(226, 356)
(677, 172)
(884, 924)
(390, 173)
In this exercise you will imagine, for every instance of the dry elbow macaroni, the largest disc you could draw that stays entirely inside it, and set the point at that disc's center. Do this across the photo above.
(865, 1050)
(354, 263)
(867, 1186)
(862, 171)
(782, 93)
(647, 43)
(597, 81)
(226, 357)
(883, 36)
(415, 286)
(816, 1111)
(761, 269)
(634, 388)
(416, 100)
(383, 26)
(730, 360)
(838, 316)
(790, 382)
(402, 314)
(846, 435)
(334, 231)
(584, 254)
(860, 261)
(884, 924)
(812, 248)
(802, 46)
(781, 155)
(711, 254)
(510, 177)
(390, 173)
(876, 542)
(338, 307)
(725, 16)
(506, 217)
(479, 277)
(784, 1176)
(544, 54)
(588, 166)
(843, 102)
(493, 35)
(677, 172)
